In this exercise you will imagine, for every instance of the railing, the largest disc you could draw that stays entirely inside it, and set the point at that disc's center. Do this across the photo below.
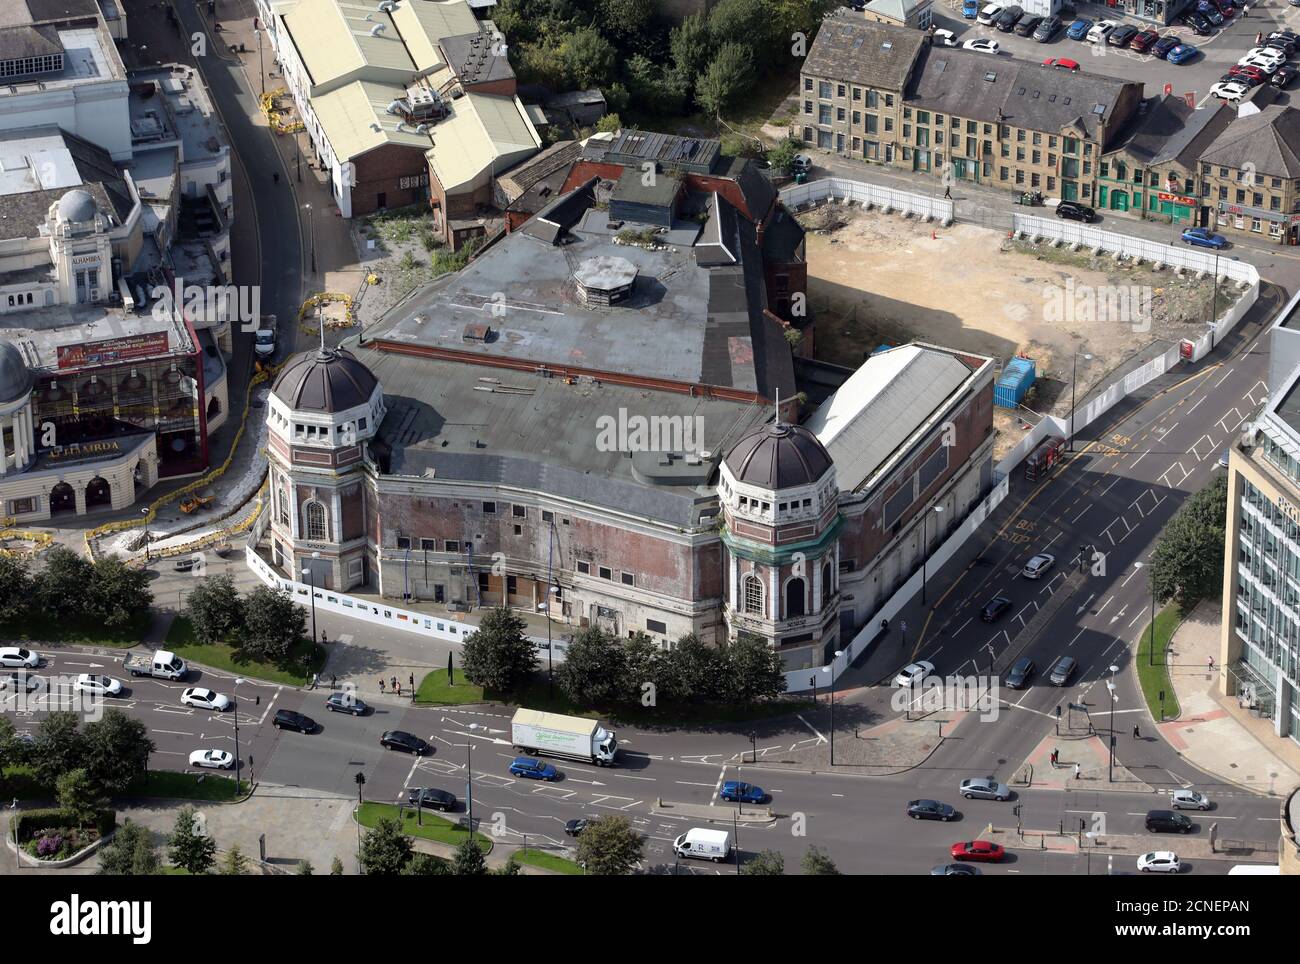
(926, 206)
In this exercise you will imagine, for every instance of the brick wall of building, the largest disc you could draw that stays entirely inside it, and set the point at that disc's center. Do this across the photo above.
(379, 177)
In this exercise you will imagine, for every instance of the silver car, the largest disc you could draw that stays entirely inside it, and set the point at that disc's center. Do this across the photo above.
(984, 788)
(1190, 800)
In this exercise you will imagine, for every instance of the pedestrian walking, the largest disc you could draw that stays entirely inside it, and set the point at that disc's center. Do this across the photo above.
(399, 689)
(411, 679)
(1076, 771)
(322, 637)
(275, 177)
(334, 682)
(1055, 755)
(381, 684)
(1245, 9)
(314, 678)
(1137, 734)
(947, 191)
(393, 683)
(1211, 665)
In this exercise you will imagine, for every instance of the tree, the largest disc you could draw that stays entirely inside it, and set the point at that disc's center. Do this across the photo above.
(15, 589)
(691, 45)
(511, 868)
(118, 594)
(817, 863)
(781, 157)
(1187, 562)
(273, 625)
(60, 747)
(594, 671)
(609, 846)
(385, 850)
(694, 670)
(468, 860)
(336, 868)
(61, 589)
(767, 862)
(305, 869)
(497, 655)
(80, 796)
(215, 609)
(13, 751)
(609, 124)
(644, 665)
(729, 74)
(233, 863)
(587, 58)
(738, 22)
(426, 865)
(188, 846)
(116, 749)
(625, 20)
(754, 671)
(131, 852)
(655, 88)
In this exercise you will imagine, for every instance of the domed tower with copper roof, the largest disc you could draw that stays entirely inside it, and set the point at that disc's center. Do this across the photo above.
(781, 518)
(324, 410)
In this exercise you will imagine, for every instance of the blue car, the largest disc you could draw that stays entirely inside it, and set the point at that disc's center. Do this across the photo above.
(1079, 29)
(526, 766)
(744, 792)
(1181, 54)
(970, 9)
(1204, 238)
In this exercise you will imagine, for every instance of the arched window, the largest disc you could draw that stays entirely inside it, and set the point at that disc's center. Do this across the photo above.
(795, 598)
(827, 589)
(314, 513)
(754, 595)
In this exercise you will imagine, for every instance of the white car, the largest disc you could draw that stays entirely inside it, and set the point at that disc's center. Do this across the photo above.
(15, 657)
(98, 685)
(212, 759)
(1265, 58)
(981, 46)
(989, 14)
(1100, 31)
(914, 673)
(206, 699)
(1225, 90)
(1159, 862)
(1190, 800)
(944, 38)
(1038, 565)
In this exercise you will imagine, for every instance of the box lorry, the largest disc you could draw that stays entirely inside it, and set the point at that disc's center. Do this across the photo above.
(569, 737)
(161, 664)
(704, 844)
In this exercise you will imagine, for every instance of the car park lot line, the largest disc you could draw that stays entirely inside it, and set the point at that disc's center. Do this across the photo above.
(1197, 405)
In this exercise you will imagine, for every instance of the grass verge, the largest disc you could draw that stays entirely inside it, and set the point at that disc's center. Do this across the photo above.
(37, 629)
(20, 781)
(547, 861)
(434, 828)
(434, 688)
(1153, 673)
(307, 657)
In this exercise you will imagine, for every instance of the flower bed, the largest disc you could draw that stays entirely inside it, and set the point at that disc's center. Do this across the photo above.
(55, 834)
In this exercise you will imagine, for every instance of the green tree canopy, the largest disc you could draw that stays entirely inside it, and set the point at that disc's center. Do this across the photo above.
(273, 625)
(62, 589)
(385, 850)
(594, 671)
(730, 73)
(80, 796)
(609, 845)
(1187, 562)
(497, 655)
(588, 59)
(216, 609)
(189, 846)
(60, 746)
(765, 863)
(15, 589)
(468, 860)
(817, 863)
(131, 853)
(118, 594)
(116, 749)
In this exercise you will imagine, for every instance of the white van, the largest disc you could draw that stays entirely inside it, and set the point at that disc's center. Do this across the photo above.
(704, 844)
(1101, 31)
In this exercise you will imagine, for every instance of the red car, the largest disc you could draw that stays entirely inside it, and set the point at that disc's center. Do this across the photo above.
(1254, 73)
(1143, 41)
(1061, 63)
(978, 850)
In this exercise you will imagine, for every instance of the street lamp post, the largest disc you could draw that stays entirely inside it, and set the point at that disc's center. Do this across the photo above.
(831, 694)
(753, 746)
(235, 690)
(1074, 377)
(1214, 298)
(1110, 685)
(261, 70)
(925, 548)
(310, 573)
(145, 513)
(311, 232)
(360, 779)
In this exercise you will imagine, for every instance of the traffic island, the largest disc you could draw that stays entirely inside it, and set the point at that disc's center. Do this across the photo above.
(1210, 846)
(714, 814)
(1080, 763)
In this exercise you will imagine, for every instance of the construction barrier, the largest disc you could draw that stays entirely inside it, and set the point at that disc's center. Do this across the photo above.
(42, 540)
(276, 115)
(325, 298)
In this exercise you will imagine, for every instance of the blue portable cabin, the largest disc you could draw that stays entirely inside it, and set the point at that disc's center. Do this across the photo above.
(1016, 380)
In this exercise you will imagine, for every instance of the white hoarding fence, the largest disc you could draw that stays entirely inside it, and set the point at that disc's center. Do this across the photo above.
(928, 207)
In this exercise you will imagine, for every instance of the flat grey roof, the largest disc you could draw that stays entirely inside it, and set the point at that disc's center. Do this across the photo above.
(450, 420)
(178, 109)
(39, 333)
(88, 55)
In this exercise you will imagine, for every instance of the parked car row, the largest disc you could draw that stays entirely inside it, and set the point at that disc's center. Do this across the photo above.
(1265, 64)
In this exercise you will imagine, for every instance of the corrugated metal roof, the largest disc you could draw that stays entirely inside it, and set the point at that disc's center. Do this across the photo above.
(335, 40)
(880, 406)
(483, 129)
(423, 25)
(356, 120)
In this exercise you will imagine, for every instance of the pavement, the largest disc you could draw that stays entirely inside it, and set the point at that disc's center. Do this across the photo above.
(1215, 732)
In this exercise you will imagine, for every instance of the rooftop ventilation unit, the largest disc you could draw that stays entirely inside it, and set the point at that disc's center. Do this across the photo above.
(377, 29)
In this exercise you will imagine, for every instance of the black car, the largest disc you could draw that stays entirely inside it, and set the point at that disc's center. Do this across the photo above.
(345, 702)
(994, 608)
(1062, 671)
(1121, 35)
(575, 827)
(955, 870)
(289, 720)
(1282, 77)
(1200, 25)
(1048, 28)
(1027, 24)
(930, 810)
(1165, 44)
(1007, 18)
(1019, 673)
(431, 798)
(1282, 41)
(1168, 821)
(406, 742)
(1075, 211)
